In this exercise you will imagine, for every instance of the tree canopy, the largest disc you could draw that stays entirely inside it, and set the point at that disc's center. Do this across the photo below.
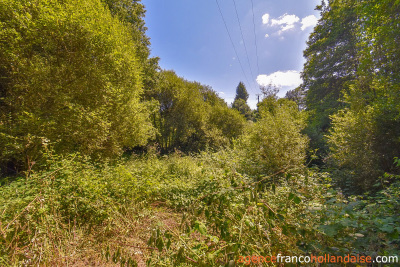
(331, 64)
(351, 78)
(192, 116)
(70, 78)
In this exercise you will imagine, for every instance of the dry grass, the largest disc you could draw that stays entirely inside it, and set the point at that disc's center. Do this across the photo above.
(71, 245)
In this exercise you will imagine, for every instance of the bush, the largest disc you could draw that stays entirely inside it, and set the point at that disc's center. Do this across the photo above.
(275, 142)
(364, 137)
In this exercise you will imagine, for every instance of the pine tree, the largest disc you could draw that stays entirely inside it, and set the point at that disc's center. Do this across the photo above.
(240, 102)
(241, 92)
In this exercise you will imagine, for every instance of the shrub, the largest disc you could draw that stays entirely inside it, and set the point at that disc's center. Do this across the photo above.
(275, 141)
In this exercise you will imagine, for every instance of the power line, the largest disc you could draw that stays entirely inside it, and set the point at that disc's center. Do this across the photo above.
(230, 38)
(244, 42)
(255, 37)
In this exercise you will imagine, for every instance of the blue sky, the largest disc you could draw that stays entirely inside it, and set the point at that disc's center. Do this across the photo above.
(190, 38)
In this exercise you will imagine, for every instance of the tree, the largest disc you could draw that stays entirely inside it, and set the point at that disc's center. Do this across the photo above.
(70, 79)
(240, 102)
(181, 116)
(270, 90)
(191, 116)
(244, 109)
(331, 64)
(298, 96)
(226, 122)
(132, 12)
(241, 92)
(229, 121)
(365, 136)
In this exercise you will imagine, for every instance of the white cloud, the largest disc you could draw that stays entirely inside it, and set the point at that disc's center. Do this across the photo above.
(288, 22)
(309, 21)
(221, 93)
(287, 27)
(265, 18)
(285, 20)
(280, 78)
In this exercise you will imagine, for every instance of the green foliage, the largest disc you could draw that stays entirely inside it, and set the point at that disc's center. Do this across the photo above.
(244, 109)
(70, 78)
(365, 136)
(352, 64)
(229, 214)
(331, 62)
(191, 116)
(181, 117)
(221, 212)
(39, 212)
(132, 13)
(241, 92)
(225, 213)
(297, 95)
(227, 120)
(235, 221)
(361, 225)
(240, 102)
(274, 142)
(351, 142)
(270, 91)
(79, 78)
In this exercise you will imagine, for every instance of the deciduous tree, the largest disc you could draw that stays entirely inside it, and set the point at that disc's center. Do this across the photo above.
(70, 78)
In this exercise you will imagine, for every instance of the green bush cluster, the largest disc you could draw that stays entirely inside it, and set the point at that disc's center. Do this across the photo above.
(70, 78)
(275, 141)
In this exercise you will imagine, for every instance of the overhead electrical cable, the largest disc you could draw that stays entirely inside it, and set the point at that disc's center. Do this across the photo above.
(244, 42)
(233, 45)
(255, 37)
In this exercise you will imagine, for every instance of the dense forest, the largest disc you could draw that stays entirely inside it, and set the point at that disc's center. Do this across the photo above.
(108, 160)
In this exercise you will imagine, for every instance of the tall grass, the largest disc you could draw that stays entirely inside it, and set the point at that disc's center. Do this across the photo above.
(177, 210)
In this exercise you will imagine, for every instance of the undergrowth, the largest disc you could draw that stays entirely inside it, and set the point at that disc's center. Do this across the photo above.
(177, 210)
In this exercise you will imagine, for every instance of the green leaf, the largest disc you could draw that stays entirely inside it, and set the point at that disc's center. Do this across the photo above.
(297, 200)
(160, 243)
(199, 226)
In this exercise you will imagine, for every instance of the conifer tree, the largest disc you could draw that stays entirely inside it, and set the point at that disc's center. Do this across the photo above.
(241, 92)
(240, 102)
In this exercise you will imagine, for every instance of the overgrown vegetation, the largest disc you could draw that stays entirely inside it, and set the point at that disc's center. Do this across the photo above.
(316, 172)
(75, 212)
